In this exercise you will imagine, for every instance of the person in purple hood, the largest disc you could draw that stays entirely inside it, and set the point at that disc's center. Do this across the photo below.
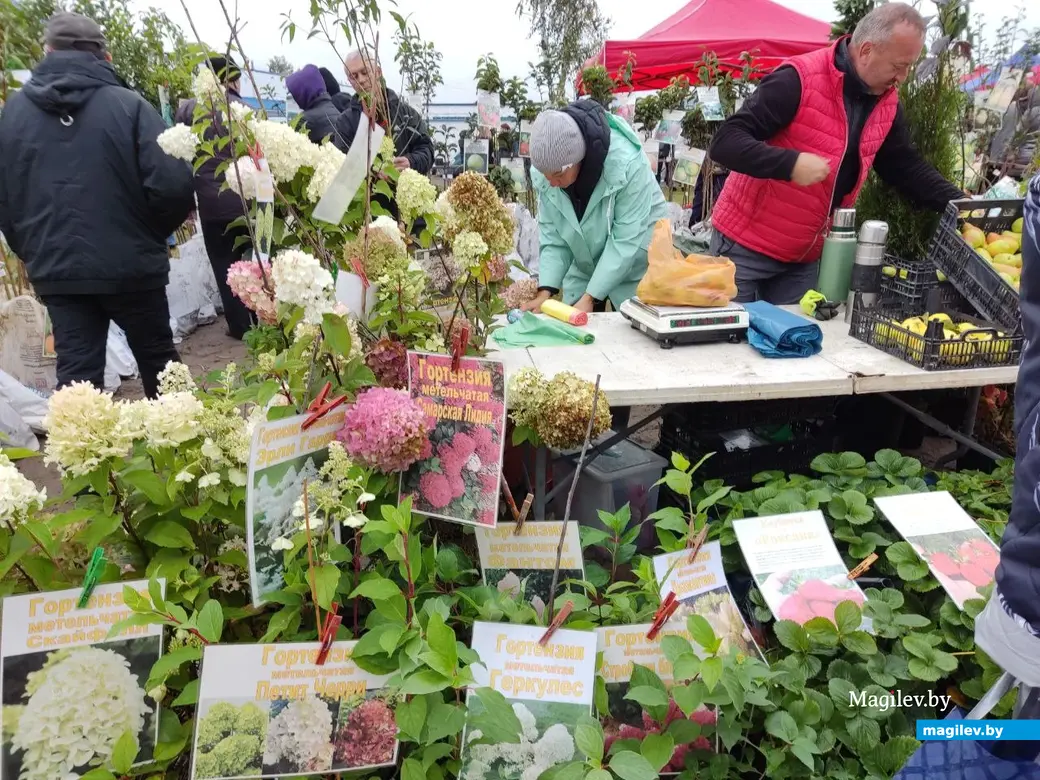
(319, 113)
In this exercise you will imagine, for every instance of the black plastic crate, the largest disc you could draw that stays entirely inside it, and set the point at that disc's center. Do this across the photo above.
(880, 328)
(688, 420)
(906, 282)
(974, 278)
(737, 466)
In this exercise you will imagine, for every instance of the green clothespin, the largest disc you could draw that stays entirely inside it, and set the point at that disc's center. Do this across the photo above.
(94, 569)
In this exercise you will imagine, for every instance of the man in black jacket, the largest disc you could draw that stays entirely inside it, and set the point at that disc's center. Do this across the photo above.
(339, 98)
(319, 113)
(87, 200)
(410, 133)
(219, 206)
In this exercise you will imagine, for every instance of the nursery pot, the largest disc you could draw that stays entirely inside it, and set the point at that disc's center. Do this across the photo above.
(351, 292)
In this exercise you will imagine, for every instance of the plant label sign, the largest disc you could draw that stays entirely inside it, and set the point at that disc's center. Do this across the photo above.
(466, 412)
(701, 589)
(489, 109)
(711, 104)
(547, 688)
(669, 129)
(523, 563)
(271, 711)
(282, 458)
(688, 166)
(69, 692)
(360, 156)
(796, 565)
(959, 553)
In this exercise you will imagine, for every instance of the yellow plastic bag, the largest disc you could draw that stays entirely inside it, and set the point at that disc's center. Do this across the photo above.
(674, 280)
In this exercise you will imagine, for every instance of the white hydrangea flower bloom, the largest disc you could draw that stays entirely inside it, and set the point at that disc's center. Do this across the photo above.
(84, 704)
(209, 480)
(18, 494)
(355, 520)
(242, 177)
(389, 226)
(176, 378)
(205, 86)
(300, 280)
(179, 141)
(443, 209)
(528, 724)
(302, 734)
(281, 543)
(84, 427)
(240, 112)
(286, 150)
(469, 248)
(167, 421)
(386, 148)
(327, 163)
(415, 195)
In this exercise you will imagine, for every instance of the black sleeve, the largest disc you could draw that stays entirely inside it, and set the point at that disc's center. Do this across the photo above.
(412, 135)
(901, 166)
(740, 144)
(168, 184)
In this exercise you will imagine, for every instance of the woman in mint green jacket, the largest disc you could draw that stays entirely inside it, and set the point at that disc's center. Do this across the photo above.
(598, 202)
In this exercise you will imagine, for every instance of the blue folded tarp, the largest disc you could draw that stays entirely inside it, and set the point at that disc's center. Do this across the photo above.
(780, 334)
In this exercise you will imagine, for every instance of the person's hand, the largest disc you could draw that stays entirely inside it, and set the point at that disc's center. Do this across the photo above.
(535, 304)
(585, 304)
(809, 169)
(401, 163)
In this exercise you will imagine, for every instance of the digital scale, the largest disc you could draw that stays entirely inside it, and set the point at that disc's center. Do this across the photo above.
(671, 325)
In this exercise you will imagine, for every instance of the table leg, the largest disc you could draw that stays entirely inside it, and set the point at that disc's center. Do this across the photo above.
(964, 439)
(967, 427)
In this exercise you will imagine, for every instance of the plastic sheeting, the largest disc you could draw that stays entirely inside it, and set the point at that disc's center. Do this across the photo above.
(525, 237)
(192, 292)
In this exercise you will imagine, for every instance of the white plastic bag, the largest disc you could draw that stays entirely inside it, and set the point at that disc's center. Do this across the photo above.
(192, 291)
(29, 405)
(23, 338)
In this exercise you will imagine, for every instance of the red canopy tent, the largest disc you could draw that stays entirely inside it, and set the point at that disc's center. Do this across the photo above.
(767, 30)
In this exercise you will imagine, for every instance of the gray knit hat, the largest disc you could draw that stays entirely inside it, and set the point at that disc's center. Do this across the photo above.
(556, 141)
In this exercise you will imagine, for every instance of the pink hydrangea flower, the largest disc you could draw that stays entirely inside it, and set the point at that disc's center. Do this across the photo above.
(435, 490)
(487, 448)
(386, 430)
(489, 481)
(452, 462)
(464, 445)
(247, 283)
(457, 485)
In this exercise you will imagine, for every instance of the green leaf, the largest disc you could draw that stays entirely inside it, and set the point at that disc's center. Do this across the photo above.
(843, 464)
(326, 580)
(446, 720)
(99, 774)
(97, 530)
(782, 726)
(599, 774)
(149, 483)
(679, 462)
(859, 642)
(571, 770)
(805, 750)
(917, 645)
(673, 647)
(686, 667)
(792, 636)
(376, 589)
(711, 672)
(865, 732)
(210, 621)
(443, 656)
(171, 662)
(679, 483)
(647, 696)
(410, 717)
(683, 731)
(657, 749)
(588, 737)
(425, 681)
(847, 617)
(167, 533)
(410, 768)
(337, 334)
(688, 698)
(702, 632)
(498, 723)
(632, 766)
(841, 692)
(822, 631)
(189, 695)
(124, 752)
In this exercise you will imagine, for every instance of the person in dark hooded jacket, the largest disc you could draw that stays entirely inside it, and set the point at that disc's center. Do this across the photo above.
(319, 113)
(87, 201)
(218, 205)
(340, 99)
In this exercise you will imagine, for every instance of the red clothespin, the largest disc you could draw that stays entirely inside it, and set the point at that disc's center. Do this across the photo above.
(256, 154)
(524, 511)
(458, 348)
(557, 621)
(319, 407)
(663, 614)
(328, 633)
(695, 543)
(510, 501)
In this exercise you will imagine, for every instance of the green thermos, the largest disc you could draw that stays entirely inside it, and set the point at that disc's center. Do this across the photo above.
(839, 255)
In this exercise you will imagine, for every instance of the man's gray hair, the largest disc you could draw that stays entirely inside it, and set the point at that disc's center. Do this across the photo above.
(366, 54)
(877, 26)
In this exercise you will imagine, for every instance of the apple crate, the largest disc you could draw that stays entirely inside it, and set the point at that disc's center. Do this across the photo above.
(906, 283)
(974, 278)
(882, 328)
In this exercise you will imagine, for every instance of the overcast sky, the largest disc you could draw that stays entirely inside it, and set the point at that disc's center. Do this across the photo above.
(461, 30)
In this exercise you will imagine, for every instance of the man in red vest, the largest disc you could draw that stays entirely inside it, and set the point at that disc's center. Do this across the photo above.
(802, 145)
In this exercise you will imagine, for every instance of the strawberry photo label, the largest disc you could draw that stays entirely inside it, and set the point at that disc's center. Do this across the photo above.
(797, 566)
(958, 553)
